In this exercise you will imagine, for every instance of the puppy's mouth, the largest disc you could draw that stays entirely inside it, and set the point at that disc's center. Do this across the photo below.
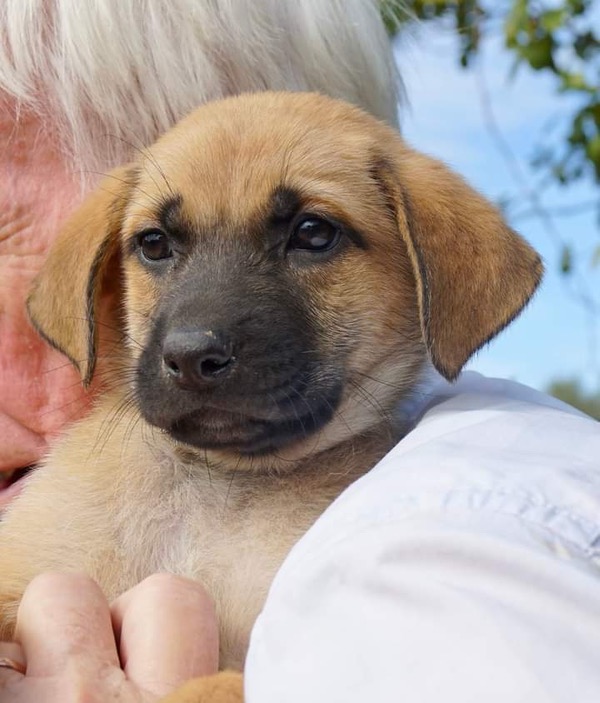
(11, 484)
(211, 428)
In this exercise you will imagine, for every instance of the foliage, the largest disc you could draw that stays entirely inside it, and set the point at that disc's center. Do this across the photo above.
(571, 392)
(558, 39)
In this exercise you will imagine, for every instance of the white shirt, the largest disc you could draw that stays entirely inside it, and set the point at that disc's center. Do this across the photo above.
(464, 568)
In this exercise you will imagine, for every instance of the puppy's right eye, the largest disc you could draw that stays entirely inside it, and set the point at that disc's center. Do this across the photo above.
(155, 245)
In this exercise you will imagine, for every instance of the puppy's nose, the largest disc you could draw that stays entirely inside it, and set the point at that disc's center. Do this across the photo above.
(197, 358)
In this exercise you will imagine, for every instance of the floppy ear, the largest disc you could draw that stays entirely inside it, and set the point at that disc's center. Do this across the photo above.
(64, 300)
(474, 274)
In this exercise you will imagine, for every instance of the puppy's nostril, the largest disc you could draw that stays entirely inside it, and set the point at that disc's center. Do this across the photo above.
(214, 366)
(172, 368)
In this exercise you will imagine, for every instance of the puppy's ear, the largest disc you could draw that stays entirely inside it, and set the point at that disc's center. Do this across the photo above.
(473, 273)
(64, 300)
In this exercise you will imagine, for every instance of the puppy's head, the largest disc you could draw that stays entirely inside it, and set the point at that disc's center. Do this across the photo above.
(288, 266)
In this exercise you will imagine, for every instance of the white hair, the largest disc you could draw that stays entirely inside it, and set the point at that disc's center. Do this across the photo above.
(113, 74)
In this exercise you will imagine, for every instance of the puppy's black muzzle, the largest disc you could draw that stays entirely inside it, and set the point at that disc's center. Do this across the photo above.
(234, 360)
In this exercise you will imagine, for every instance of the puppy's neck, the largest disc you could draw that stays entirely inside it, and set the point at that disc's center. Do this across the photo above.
(329, 470)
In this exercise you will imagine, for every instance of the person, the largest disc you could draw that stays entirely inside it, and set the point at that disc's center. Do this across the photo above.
(83, 86)
(465, 567)
(74, 646)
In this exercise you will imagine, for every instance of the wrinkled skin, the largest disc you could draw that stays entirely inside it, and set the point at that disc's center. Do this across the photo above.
(39, 390)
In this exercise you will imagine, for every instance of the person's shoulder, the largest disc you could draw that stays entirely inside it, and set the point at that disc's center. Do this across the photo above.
(469, 554)
(480, 447)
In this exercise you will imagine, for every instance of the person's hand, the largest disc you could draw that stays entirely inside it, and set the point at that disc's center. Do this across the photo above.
(74, 646)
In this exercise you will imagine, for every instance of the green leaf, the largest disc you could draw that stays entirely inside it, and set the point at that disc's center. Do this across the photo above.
(516, 21)
(538, 53)
(575, 81)
(551, 20)
(558, 37)
(570, 390)
(592, 149)
(577, 7)
(586, 45)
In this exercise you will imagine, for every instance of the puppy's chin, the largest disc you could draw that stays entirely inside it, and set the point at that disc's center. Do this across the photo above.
(247, 429)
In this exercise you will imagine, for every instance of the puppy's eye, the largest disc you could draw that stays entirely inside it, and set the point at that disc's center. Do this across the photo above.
(155, 245)
(314, 234)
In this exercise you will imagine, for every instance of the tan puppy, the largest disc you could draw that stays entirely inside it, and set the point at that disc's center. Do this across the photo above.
(258, 293)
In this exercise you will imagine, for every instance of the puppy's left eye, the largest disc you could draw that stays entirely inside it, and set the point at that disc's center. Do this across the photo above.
(155, 245)
(314, 234)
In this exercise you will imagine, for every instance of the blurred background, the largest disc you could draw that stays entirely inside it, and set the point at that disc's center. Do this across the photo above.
(508, 94)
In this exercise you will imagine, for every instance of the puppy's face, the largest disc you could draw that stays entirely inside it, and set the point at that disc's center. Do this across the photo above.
(267, 290)
(288, 267)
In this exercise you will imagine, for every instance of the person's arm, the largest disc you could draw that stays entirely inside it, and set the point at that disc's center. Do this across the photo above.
(464, 568)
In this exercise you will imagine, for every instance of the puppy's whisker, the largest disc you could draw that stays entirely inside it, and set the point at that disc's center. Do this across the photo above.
(336, 413)
(394, 386)
(67, 364)
(299, 418)
(407, 340)
(371, 401)
(275, 453)
(208, 469)
(112, 328)
(113, 418)
(229, 486)
(154, 163)
(133, 424)
(77, 404)
(113, 423)
(145, 152)
(119, 194)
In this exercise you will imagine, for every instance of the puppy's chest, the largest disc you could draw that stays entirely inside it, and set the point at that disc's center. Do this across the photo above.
(192, 525)
(228, 537)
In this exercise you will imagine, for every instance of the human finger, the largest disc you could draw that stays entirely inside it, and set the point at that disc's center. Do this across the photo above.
(61, 617)
(12, 664)
(13, 652)
(168, 633)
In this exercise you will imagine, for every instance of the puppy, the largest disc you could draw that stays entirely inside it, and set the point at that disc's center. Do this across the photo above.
(258, 293)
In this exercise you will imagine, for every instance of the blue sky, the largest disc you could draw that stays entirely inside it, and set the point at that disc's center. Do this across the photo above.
(556, 336)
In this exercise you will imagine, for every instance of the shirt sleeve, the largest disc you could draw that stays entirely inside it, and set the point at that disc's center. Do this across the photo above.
(464, 567)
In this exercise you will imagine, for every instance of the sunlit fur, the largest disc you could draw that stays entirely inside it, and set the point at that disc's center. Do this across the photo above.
(440, 274)
(108, 74)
